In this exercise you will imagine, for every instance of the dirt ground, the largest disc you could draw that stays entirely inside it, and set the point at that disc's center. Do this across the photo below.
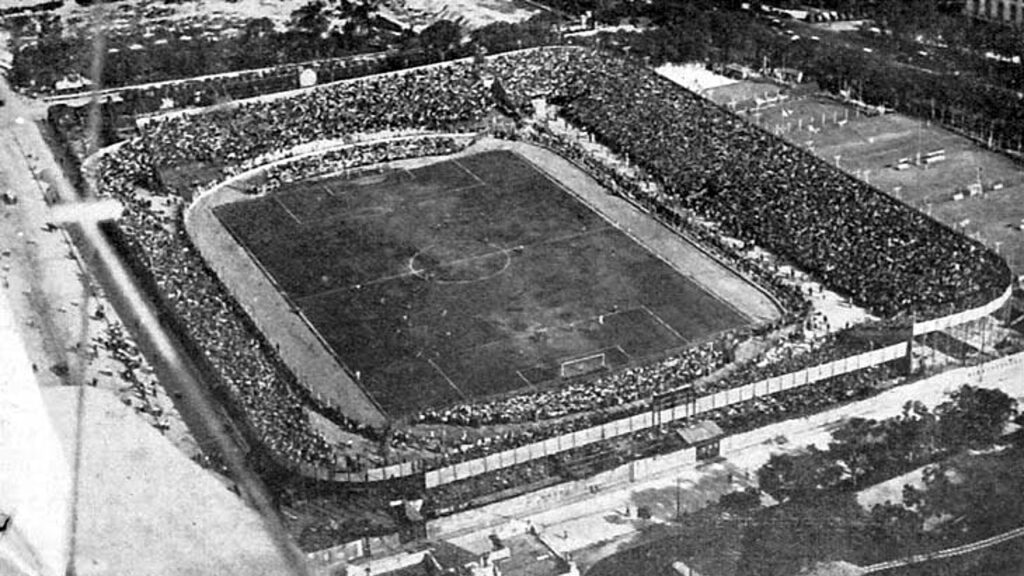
(128, 477)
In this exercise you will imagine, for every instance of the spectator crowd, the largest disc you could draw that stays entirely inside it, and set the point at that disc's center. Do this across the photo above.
(249, 370)
(884, 255)
(603, 393)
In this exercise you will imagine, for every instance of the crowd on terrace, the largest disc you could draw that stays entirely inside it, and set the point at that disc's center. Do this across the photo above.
(762, 271)
(444, 97)
(886, 256)
(606, 392)
(857, 240)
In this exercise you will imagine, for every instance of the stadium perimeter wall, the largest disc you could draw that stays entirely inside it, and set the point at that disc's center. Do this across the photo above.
(496, 514)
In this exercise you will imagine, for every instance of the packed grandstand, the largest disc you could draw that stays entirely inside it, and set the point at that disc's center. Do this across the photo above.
(886, 257)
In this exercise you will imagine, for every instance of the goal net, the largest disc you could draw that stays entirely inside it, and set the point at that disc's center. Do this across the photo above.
(578, 366)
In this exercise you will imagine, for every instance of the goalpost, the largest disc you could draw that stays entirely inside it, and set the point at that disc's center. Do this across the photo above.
(578, 366)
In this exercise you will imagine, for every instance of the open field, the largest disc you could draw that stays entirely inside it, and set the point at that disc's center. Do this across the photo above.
(467, 278)
(740, 91)
(870, 147)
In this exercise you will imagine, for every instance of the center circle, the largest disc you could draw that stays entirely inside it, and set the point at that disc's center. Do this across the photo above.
(471, 262)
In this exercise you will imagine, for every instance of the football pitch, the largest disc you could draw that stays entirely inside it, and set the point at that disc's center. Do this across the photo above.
(468, 278)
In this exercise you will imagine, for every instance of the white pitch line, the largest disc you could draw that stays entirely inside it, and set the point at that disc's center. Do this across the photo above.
(285, 208)
(663, 323)
(468, 171)
(624, 353)
(520, 374)
(449, 380)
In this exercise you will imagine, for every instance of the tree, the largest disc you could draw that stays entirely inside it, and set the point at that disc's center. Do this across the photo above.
(783, 540)
(856, 446)
(310, 19)
(496, 36)
(441, 37)
(257, 44)
(804, 475)
(740, 501)
(893, 530)
(974, 417)
(979, 493)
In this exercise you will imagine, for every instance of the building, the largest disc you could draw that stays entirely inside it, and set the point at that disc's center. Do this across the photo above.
(1008, 11)
(704, 436)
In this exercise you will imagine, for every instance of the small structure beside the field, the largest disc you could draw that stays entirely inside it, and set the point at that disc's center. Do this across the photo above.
(705, 436)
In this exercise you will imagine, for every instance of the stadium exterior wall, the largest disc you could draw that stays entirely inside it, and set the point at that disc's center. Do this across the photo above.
(497, 513)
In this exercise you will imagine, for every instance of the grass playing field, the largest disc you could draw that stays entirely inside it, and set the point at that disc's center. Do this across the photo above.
(467, 278)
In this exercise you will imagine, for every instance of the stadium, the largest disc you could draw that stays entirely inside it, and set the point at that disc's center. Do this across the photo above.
(437, 260)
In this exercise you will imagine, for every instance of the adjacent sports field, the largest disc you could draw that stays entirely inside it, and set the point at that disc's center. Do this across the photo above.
(467, 278)
(871, 147)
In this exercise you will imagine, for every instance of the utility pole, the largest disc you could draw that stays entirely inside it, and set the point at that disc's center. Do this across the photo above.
(679, 502)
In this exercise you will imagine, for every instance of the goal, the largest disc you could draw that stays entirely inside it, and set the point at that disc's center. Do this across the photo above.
(578, 366)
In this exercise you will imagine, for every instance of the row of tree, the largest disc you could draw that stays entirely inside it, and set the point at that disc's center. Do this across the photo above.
(909, 25)
(964, 497)
(864, 452)
(965, 91)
